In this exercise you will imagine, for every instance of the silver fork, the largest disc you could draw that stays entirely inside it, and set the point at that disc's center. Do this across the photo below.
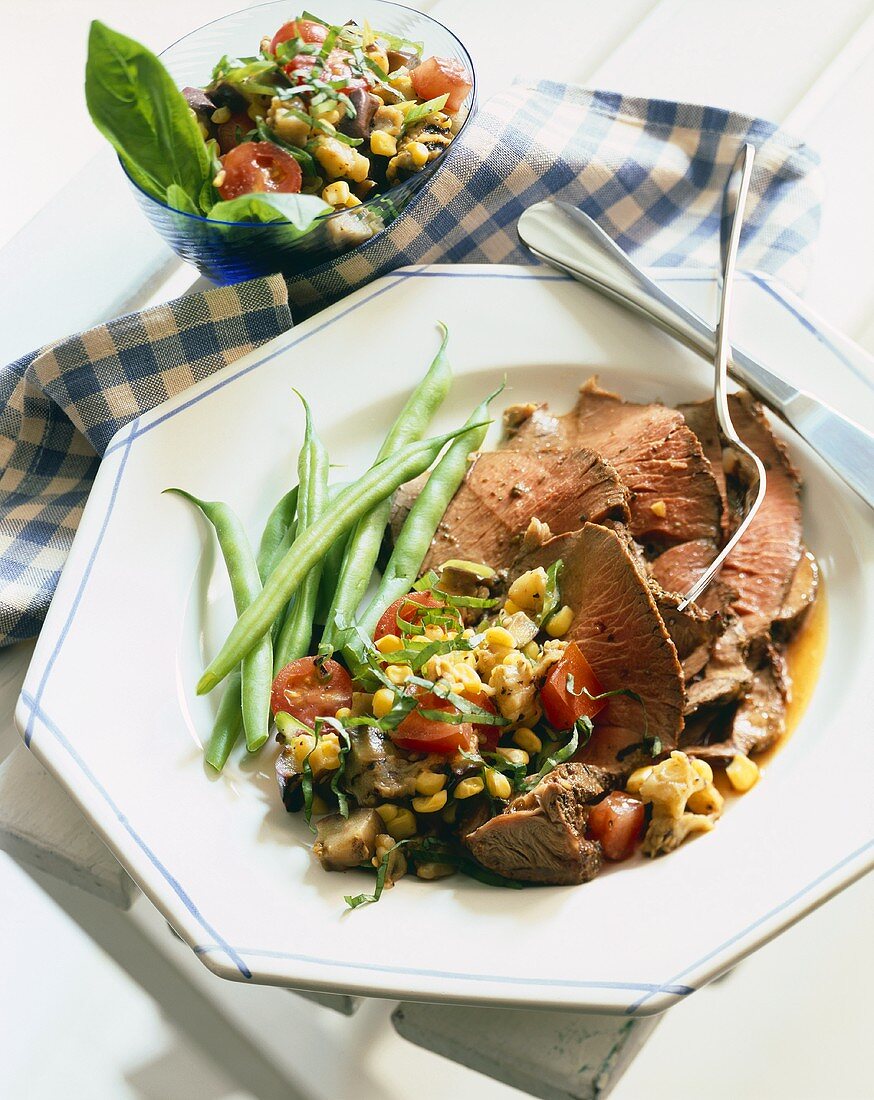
(733, 202)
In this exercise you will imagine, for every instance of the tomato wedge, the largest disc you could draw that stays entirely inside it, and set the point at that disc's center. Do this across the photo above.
(442, 76)
(309, 689)
(257, 166)
(419, 734)
(617, 824)
(405, 607)
(563, 694)
(487, 734)
(299, 28)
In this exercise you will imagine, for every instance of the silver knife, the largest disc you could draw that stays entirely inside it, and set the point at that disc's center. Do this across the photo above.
(569, 240)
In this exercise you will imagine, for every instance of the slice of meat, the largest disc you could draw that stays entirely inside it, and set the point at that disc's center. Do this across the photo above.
(674, 495)
(760, 718)
(761, 567)
(541, 835)
(504, 491)
(728, 675)
(619, 629)
(677, 569)
(800, 597)
(699, 417)
(693, 630)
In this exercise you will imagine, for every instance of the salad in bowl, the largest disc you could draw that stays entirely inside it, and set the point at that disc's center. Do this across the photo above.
(323, 134)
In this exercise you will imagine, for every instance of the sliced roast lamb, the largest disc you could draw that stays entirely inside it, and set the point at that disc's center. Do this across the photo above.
(503, 492)
(541, 835)
(674, 495)
(618, 627)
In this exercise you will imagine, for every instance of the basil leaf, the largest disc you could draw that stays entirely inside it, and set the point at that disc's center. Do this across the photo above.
(178, 199)
(134, 103)
(422, 110)
(381, 872)
(552, 599)
(582, 727)
(299, 211)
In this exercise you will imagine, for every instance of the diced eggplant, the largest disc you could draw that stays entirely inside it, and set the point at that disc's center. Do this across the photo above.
(199, 102)
(345, 842)
(365, 104)
(406, 55)
(225, 95)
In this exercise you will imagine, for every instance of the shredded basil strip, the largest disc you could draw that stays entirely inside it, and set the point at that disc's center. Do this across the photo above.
(381, 872)
(552, 599)
(582, 727)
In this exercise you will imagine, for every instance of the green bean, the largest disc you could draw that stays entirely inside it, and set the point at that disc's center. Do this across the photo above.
(228, 723)
(297, 630)
(276, 529)
(421, 524)
(331, 568)
(362, 549)
(311, 545)
(257, 663)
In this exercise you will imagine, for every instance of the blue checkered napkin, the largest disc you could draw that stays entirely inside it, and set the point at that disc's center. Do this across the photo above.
(62, 404)
(650, 172)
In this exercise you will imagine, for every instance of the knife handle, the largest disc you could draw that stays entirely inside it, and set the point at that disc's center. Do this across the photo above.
(839, 441)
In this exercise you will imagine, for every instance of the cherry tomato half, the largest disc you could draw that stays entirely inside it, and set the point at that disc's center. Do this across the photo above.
(442, 76)
(299, 28)
(259, 166)
(564, 699)
(309, 689)
(487, 734)
(419, 734)
(405, 607)
(617, 824)
(336, 67)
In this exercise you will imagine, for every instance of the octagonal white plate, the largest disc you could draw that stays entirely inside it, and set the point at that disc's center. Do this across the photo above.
(109, 707)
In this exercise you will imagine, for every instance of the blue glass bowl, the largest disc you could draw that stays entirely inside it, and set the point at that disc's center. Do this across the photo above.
(228, 252)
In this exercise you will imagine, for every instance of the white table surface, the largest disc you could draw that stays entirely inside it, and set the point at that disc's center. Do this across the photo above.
(76, 252)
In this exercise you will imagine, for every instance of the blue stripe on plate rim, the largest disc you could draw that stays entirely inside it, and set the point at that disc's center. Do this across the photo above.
(124, 441)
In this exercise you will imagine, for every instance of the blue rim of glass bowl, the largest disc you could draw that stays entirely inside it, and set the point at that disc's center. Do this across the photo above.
(437, 162)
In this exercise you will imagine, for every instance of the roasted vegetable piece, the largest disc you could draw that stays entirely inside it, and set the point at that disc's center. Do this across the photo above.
(345, 842)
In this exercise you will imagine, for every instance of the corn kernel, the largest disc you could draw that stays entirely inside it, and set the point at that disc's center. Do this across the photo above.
(253, 111)
(301, 747)
(352, 201)
(382, 144)
(511, 608)
(560, 623)
(398, 674)
(527, 739)
(430, 804)
(388, 812)
(706, 801)
(703, 769)
(468, 677)
(659, 508)
(403, 826)
(514, 756)
(742, 772)
(637, 779)
(219, 178)
(325, 757)
(343, 712)
(497, 637)
(389, 643)
(220, 115)
(498, 784)
(336, 193)
(430, 782)
(531, 651)
(383, 701)
(529, 591)
(434, 633)
(467, 788)
(418, 153)
(319, 806)
(434, 870)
